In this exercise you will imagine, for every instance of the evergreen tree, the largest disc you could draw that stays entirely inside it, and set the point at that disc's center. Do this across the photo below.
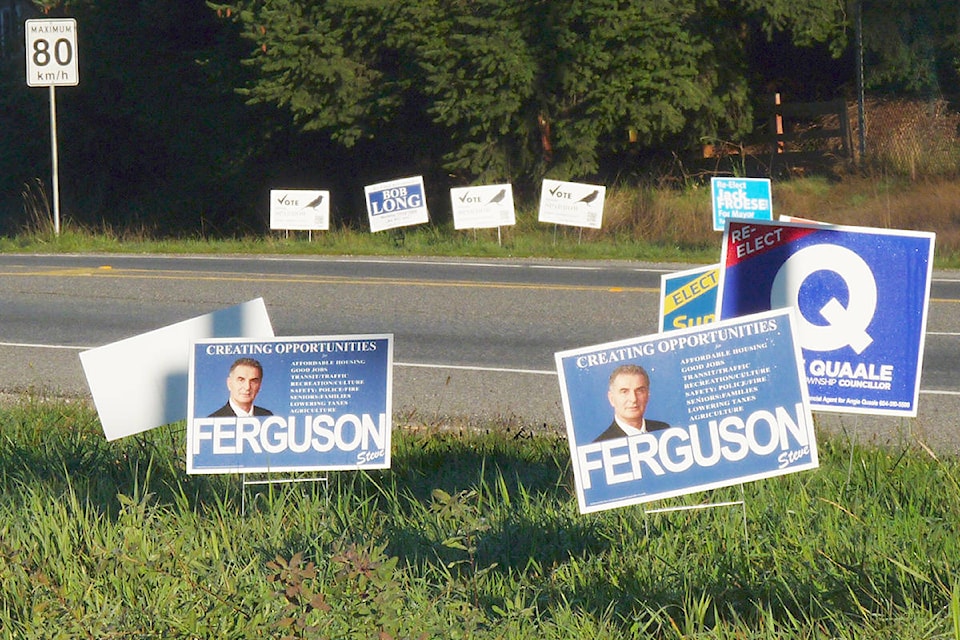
(912, 47)
(519, 89)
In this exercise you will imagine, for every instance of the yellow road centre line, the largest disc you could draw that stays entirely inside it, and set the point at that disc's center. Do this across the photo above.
(109, 272)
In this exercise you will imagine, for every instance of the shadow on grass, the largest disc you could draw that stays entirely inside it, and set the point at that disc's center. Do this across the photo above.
(509, 496)
(56, 448)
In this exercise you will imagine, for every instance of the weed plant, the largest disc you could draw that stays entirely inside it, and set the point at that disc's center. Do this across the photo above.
(471, 534)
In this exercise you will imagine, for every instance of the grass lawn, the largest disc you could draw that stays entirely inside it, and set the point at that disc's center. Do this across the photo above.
(468, 535)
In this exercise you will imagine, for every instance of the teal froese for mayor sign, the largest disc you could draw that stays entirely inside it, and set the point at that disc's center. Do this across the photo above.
(740, 198)
(290, 404)
(685, 411)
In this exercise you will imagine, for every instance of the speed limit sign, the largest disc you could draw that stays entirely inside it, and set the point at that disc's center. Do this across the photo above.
(52, 52)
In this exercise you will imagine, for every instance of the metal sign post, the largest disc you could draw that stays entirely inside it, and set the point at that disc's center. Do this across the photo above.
(54, 161)
(52, 62)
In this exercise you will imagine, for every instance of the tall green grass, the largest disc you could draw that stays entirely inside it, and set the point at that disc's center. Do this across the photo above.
(665, 224)
(469, 535)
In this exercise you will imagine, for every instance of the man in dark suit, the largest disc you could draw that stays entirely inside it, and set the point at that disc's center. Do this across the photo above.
(243, 382)
(628, 393)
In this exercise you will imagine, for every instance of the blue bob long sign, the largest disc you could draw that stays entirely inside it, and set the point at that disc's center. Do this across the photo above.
(687, 410)
(861, 297)
(290, 404)
(398, 203)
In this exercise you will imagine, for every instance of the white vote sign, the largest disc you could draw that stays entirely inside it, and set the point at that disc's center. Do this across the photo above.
(299, 209)
(572, 203)
(482, 207)
(52, 52)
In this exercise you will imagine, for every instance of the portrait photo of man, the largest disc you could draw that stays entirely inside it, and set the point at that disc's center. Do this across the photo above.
(628, 392)
(243, 384)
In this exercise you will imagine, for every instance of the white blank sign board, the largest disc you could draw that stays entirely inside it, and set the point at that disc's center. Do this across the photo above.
(140, 383)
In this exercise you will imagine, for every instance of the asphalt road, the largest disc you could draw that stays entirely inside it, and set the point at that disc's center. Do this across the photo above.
(474, 339)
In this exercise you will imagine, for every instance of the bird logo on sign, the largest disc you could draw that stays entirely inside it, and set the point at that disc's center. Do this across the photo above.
(590, 197)
(313, 204)
(499, 197)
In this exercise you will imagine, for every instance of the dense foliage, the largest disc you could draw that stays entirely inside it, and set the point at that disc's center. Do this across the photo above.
(188, 112)
(912, 47)
(520, 90)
